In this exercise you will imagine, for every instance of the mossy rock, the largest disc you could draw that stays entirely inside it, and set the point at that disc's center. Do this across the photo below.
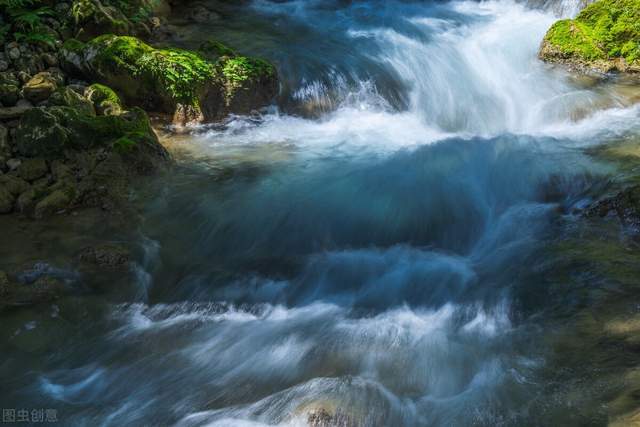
(92, 18)
(50, 132)
(9, 89)
(180, 82)
(66, 97)
(604, 37)
(105, 101)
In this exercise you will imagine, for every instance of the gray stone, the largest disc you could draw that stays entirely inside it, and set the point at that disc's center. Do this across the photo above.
(14, 53)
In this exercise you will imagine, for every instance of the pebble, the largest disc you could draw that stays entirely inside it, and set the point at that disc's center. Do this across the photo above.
(4, 65)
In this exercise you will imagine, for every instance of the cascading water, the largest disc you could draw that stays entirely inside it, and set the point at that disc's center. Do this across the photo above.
(375, 250)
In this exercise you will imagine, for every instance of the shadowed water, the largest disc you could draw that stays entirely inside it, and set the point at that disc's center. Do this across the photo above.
(380, 246)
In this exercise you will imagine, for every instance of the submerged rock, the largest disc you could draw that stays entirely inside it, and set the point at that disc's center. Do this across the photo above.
(604, 37)
(108, 255)
(186, 84)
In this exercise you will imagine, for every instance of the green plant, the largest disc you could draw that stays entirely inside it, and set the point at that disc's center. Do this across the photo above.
(26, 20)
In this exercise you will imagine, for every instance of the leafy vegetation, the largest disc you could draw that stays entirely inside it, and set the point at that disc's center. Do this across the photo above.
(26, 21)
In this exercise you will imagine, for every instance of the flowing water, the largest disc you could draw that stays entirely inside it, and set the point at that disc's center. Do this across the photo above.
(397, 242)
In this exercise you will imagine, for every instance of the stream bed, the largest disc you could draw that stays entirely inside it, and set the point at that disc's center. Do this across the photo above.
(399, 241)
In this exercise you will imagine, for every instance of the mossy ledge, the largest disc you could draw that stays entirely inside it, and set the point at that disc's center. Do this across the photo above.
(192, 86)
(604, 37)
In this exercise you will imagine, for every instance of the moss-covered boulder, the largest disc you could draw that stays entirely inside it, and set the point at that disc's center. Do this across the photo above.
(604, 37)
(186, 84)
(66, 97)
(105, 101)
(9, 89)
(49, 132)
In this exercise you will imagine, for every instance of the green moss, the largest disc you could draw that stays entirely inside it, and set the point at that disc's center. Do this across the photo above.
(48, 132)
(604, 30)
(104, 99)
(103, 93)
(92, 17)
(241, 68)
(214, 49)
(178, 72)
(73, 46)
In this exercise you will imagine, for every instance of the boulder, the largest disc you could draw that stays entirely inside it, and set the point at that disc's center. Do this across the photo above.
(105, 101)
(13, 184)
(186, 84)
(93, 18)
(40, 87)
(67, 97)
(55, 202)
(32, 169)
(41, 134)
(9, 89)
(604, 37)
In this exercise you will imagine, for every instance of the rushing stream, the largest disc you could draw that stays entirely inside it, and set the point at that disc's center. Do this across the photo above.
(395, 243)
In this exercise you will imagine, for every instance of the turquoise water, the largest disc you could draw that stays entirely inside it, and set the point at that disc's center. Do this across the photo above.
(397, 240)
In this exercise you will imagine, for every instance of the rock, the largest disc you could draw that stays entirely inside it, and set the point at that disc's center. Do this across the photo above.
(55, 202)
(179, 82)
(5, 148)
(24, 104)
(108, 255)
(49, 59)
(9, 89)
(14, 53)
(45, 288)
(40, 87)
(53, 132)
(23, 76)
(26, 202)
(625, 205)
(105, 101)
(604, 37)
(6, 200)
(11, 113)
(67, 97)
(32, 169)
(4, 65)
(61, 172)
(71, 57)
(93, 18)
(13, 184)
(41, 134)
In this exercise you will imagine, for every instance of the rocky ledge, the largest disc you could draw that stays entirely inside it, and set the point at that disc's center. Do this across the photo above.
(75, 82)
(603, 38)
